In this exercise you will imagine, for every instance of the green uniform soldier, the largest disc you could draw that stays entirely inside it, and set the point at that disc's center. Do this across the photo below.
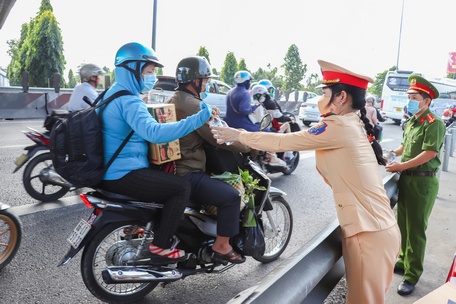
(418, 184)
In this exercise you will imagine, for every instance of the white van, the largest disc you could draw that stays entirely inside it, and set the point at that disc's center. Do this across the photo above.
(394, 94)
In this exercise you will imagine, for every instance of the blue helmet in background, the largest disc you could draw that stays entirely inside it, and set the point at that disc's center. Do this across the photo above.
(268, 84)
(135, 51)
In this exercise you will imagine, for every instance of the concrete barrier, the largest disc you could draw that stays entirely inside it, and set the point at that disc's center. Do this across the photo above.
(312, 272)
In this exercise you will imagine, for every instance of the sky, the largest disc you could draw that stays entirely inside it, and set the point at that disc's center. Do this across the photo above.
(361, 35)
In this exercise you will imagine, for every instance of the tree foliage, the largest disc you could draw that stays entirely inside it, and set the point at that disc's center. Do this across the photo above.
(270, 74)
(229, 68)
(242, 66)
(39, 50)
(203, 52)
(294, 69)
(72, 80)
(377, 87)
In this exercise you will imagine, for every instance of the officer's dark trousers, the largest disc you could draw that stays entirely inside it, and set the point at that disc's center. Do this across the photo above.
(416, 199)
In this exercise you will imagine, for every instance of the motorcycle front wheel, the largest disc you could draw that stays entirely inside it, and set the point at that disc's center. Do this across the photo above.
(278, 226)
(10, 236)
(34, 183)
(95, 259)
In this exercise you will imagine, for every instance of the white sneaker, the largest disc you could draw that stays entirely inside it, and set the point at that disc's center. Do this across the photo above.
(288, 155)
(275, 161)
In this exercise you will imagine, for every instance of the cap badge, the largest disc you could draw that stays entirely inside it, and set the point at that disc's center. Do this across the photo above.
(413, 81)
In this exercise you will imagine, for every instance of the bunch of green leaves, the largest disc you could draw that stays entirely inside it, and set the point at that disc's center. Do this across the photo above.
(250, 184)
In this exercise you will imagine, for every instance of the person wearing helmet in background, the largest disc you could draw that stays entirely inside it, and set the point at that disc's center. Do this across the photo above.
(131, 174)
(193, 78)
(272, 105)
(238, 103)
(371, 114)
(90, 80)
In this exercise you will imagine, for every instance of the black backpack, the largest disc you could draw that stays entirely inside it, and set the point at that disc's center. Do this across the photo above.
(76, 145)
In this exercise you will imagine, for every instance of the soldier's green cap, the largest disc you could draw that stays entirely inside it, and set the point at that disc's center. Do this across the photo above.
(418, 85)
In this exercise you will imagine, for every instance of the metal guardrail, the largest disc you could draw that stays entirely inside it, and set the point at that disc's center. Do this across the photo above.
(449, 145)
(312, 272)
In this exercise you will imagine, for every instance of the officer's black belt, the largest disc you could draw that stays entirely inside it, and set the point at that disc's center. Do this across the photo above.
(419, 173)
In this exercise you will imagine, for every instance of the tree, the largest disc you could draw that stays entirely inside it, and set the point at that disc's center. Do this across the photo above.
(203, 52)
(270, 74)
(17, 53)
(229, 69)
(377, 87)
(295, 70)
(242, 66)
(72, 81)
(39, 51)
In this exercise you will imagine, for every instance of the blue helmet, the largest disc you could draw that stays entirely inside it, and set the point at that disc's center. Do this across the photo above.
(242, 76)
(268, 84)
(135, 51)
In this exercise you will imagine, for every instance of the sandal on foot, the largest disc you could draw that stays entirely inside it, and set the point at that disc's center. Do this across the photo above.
(172, 253)
(232, 257)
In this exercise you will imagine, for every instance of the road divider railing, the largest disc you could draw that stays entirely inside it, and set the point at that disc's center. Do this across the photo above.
(448, 146)
(311, 273)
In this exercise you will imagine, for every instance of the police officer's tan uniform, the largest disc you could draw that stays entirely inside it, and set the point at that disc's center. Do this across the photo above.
(346, 161)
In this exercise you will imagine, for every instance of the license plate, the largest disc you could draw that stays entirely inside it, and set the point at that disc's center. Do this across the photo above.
(20, 160)
(78, 234)
(398, 109)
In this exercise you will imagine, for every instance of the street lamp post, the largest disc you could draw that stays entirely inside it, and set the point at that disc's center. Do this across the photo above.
(154, 25)
(400, 34)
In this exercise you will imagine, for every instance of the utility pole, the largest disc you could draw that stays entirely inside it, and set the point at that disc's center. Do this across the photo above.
(154, 25)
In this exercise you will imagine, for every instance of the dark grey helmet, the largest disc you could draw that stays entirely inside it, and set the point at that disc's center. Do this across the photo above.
(194, 67)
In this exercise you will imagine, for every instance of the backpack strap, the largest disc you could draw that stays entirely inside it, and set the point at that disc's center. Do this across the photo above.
(104, 102)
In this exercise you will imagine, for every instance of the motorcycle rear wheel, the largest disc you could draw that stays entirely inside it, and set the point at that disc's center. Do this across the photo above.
(278, 226)
(32, 180)
(292, 164)
(10, 237)
(93, 262)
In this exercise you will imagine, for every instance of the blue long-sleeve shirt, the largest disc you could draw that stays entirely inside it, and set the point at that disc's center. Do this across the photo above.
(239, 99)
(128, 113)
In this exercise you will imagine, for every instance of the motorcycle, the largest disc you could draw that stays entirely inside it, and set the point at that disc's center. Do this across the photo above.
(116, 264)
(291, 161)
(40, 179)
(10, 235)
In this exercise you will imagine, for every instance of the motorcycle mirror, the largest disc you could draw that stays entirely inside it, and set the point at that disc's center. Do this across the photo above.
(265, 121)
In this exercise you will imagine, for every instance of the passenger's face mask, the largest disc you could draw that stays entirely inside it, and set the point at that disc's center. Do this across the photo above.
(149, 82)
(262, 98)
(413, 106)
(204, 94)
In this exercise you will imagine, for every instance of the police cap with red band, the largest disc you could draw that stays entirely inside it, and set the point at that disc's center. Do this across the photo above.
(420, 85)
(333, 74)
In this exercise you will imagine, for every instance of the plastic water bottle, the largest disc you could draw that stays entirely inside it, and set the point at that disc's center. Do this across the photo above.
(217, 122)
(389, 155)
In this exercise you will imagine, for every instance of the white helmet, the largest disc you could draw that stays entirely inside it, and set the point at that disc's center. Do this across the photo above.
(90, 70)
(242, 76)
(258, 91)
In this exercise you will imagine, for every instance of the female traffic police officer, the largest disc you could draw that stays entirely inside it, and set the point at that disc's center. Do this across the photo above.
(418, 184)
(347, 157)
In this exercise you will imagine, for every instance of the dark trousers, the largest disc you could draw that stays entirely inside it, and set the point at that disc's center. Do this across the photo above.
(171, 190)
(214, 192)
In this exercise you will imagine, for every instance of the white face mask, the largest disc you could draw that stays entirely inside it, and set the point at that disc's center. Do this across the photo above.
(261, 99)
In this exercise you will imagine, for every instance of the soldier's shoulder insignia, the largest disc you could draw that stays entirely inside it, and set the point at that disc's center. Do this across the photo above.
(318, 129)
(430, 118)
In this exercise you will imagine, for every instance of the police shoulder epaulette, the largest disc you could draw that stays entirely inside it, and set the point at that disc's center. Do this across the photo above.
(430, 118)
(327, 114)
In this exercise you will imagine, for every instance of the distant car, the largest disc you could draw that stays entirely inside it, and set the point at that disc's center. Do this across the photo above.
(165, 86)
(308, 111)
(290, 101)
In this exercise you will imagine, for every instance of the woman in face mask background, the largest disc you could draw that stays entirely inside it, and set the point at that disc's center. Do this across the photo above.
(130, 174)
(347, 157)
(418, 185)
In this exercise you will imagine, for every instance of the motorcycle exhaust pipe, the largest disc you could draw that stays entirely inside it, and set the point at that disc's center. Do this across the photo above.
(116, 275)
